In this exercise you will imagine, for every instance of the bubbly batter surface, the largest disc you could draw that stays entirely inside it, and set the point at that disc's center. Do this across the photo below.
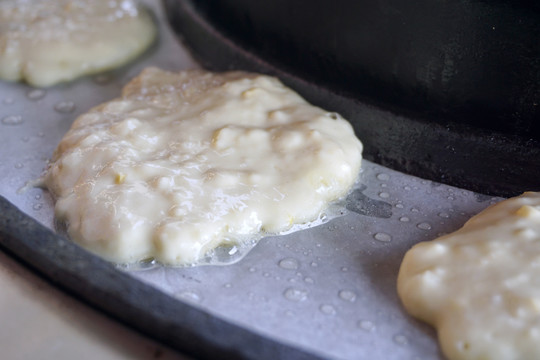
(44, 42)
(184, 162)
(480, 286)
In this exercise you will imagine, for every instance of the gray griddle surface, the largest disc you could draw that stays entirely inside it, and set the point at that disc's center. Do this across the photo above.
(328, 291)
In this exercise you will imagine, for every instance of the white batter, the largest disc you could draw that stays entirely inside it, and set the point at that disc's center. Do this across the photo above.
(184, 162)
(44, 42)
(480, 286)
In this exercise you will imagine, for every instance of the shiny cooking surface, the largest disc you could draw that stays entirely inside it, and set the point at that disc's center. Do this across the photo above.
(329, 290)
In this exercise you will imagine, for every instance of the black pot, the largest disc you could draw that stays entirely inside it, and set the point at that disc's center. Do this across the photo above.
(447, 90)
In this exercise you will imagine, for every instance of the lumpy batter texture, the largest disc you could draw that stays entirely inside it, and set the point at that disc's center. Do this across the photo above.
(184, 162)
(480, 286)
(44, 42)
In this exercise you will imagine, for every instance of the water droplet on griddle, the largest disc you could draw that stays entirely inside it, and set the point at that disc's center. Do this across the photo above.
(189, 296)
(347, 295)
(327, 309)
(12, 120)
(289, 264)
(401, 339)
(424, 226)
(65, 107)
(383, 177)
(293, 294)
(36, 94)
(366, 325)
(404, 219)
(383, 237)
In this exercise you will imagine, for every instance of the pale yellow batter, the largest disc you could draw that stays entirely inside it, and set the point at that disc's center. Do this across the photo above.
(184, 162)
(44, 42)
(480, 286)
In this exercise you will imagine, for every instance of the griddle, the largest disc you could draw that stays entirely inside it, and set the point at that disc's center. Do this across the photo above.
(325, 292)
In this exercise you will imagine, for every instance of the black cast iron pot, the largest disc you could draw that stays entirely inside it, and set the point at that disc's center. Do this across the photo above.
(446, 90)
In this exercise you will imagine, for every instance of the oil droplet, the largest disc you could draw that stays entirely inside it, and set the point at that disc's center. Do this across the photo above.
(366, 325)
(424, 226)
(19, 166)
(404, 219)
(344, 269)
(37, 197)
(314, 264)
(252, 269)
(227, 285)
(399, 206)
(384, 195)
(266, 274)
(347, 295)
(35, 94)
(37, 206)
(408, 188)
(450, 198)
(12, 120)
(25, 139)
(308, 280)
(401, 340)
(384, 237)
(383, 177)
(297, 295)
(414, 210)
(289, 264)
(327, 309)
(65, 107)
(8, 101)
(444, 215)
(189, 296)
